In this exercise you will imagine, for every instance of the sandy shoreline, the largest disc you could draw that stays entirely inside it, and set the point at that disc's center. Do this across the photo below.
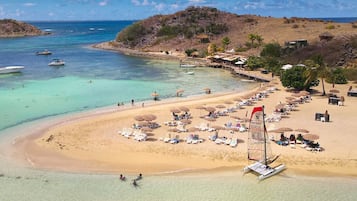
(90, 142)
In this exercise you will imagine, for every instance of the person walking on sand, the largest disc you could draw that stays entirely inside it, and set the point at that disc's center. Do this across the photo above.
(132, 102)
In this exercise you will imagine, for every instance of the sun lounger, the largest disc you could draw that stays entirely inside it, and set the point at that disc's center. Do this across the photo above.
(234, 142)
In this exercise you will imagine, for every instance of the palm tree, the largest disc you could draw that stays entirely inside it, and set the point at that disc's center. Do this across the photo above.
(252, 37)
(316, 69)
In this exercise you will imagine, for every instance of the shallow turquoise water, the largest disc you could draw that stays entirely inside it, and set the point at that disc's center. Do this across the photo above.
(44, 186)
(91, 78)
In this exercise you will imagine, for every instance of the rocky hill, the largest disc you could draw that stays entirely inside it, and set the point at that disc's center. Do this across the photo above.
(13, 28)
(196, 27)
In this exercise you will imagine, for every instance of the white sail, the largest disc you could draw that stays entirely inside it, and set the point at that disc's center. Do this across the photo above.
(258, 144)
(259, 148)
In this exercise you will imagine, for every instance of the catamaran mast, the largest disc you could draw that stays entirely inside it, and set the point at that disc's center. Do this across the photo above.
(265, 139)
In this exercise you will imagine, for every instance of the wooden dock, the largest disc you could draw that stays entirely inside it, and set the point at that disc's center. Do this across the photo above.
(253, 75)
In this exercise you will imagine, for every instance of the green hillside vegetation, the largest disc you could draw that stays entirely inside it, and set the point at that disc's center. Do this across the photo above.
(185, 24)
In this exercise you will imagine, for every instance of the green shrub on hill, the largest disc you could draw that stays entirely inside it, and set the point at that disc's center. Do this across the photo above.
(132, 34)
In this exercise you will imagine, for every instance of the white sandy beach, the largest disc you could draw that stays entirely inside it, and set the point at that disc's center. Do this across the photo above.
(92, 143)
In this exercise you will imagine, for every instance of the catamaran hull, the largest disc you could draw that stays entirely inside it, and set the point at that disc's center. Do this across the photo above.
(277, 170)
(263, 170)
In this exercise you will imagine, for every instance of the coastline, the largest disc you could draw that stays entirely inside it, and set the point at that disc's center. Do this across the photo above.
(90, 142)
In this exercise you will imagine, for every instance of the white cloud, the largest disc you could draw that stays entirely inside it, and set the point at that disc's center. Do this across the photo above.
(136, 2)
(18, 12)
(174, 6)
(29, 4)
(197, 1)
(160, 6)
(103, 3)
(51, 14)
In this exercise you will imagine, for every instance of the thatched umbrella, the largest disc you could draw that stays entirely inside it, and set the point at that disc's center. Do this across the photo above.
(173, 130)
(311, 137)
(193, 129)
(210, 119)
(285, 129)
(280, 106)
(304, 93)
(184, 109)
(210, 109)
(149, 117)
(302, 130)
(186, 121)
(218, 127)
(175, 110)
(146, 129)
(139, 118)
(290, 98)
(143, 123)
(228, 102)
(334, 91)
(220, 106)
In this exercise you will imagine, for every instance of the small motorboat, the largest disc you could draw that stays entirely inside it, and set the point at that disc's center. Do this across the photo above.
(45, 52)
(57, 62)
(187, 65)
(11, 69)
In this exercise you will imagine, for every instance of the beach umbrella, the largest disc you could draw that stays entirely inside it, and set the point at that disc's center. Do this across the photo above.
(304, 93)
(139, 118)
(285, 129)
(193, 129)
(210, 119)
(149, 117)
(146, 129)
(296, 95)
(220, 106)
(218, 127)
(334, 91)
(311, 137)
(143, 123)
(302, 130)
(280, 106)
(175, 110)
(228, 102)
(173, 130)
(210, 109)
(184, 109)
(186, 121)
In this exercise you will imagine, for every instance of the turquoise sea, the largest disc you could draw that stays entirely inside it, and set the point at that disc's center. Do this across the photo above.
(93, 79)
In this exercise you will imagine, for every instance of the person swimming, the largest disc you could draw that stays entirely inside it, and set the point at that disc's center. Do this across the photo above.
(122, 177)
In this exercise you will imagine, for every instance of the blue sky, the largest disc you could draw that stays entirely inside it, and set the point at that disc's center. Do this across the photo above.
(139, 9)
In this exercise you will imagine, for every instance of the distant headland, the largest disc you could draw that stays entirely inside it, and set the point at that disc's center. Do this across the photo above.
(13, 28)
(204, 31)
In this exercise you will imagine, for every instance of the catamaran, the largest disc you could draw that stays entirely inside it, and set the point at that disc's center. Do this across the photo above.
(258, 147)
